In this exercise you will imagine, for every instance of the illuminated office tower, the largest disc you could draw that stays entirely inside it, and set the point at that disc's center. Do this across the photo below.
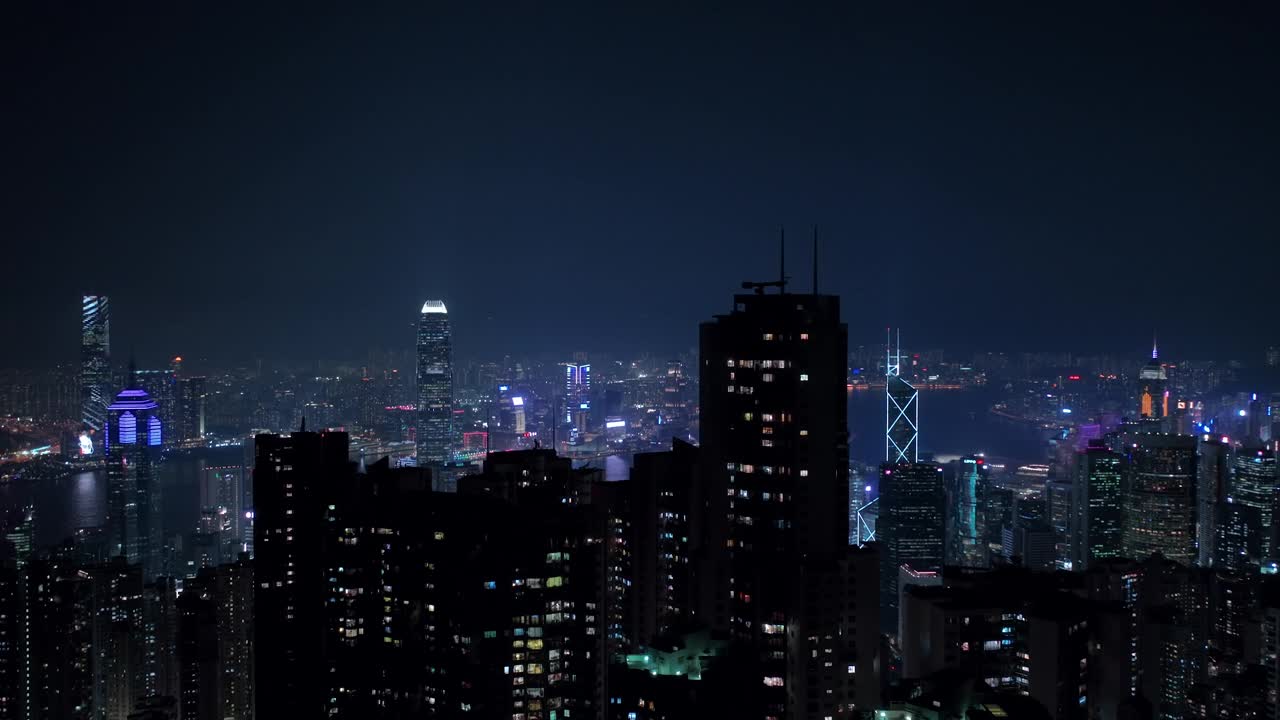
(191, 398)
(966, 512)
(95, 365)
(910, 528)
(1153, 395)
(774, 446)
(1162, 498)
(1098, 529)
(577, 393)
(133, 438)
(1244, 523)
(901, 411)
(162, 386)
(435, 386)
(1213, 475)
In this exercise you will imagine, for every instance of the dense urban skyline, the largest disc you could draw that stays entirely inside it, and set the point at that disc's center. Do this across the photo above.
(584, 162)
(598, 362)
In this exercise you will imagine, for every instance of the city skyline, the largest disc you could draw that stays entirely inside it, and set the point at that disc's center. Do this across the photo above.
(460, 361)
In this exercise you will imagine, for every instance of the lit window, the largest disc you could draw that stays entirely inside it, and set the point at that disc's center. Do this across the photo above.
(804, 377)
(767, 377)
(804, 336)
(804, 473)
(772, 681)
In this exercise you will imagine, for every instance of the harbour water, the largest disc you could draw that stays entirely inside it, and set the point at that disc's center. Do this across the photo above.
(952, 422)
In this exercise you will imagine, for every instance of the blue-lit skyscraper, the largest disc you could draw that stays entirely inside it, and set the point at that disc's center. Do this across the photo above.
(902, 412)
(966, 544)
(95, 366)
(577, 393)
(133, 437)
(435, 386)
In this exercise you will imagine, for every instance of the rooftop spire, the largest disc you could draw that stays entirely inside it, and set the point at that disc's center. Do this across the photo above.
(1155, 349)
(782, 259)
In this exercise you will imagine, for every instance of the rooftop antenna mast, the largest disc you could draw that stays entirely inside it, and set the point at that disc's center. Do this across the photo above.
(782, 259)
(781, 282)
(815, 259)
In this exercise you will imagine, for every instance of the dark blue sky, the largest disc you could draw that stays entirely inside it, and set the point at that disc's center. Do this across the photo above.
(294, 182)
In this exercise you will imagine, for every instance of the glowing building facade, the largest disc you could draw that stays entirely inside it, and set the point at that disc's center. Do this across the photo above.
(1098, 499)
(133, 437)
(1161, 497)
(901, 411)
(1153, 381)
(966, 512)
(435, 442)
(95, 366)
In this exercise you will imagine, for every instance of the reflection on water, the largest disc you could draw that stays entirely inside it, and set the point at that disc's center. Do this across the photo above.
(79, 500)
(952, 422)
(88, 499)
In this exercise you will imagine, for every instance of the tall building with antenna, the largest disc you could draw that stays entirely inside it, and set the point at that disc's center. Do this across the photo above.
(1153, 398)
(901, 408)
(783, 580)
(434, 437)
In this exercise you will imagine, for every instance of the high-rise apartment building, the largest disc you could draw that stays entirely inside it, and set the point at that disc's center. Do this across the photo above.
(774, 445)
(435, 442)
(294, 477)
(95, 364)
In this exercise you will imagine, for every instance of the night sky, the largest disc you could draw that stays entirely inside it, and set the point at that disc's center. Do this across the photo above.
(246, 180)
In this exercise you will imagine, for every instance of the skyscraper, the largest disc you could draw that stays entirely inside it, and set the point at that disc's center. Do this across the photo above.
(775, 453)
(1245, 519)
(191, 400)
(577, 393)
(910, 527)
(1153, 395)
(1098, 523)
(1161, 497)
(295, 477)
(95, 364)
(435, 386)
(132, 439)
(967, 512)
(901, 411)
(1213, 480)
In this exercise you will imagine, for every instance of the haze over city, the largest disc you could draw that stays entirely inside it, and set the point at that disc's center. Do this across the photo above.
(583, 361)
(292, 184)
